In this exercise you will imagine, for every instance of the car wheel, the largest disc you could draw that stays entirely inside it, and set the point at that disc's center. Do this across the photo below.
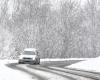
(38, 61)
(20, 62)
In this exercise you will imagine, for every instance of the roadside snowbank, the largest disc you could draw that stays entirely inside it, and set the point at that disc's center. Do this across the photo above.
(89, 65)
(63, 59)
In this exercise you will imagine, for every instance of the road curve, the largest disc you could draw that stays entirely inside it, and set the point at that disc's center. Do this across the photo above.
(81, 73)
(39, 72)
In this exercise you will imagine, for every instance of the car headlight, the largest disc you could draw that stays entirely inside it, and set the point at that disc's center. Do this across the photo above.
(34, 58)
(20, 57)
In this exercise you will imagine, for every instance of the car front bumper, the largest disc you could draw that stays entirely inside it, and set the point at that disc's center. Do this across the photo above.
(27, 61)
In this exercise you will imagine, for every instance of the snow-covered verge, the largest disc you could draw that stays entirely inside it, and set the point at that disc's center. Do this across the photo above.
(92, 64)
(10, 74)
(51, 59)
(63, 59)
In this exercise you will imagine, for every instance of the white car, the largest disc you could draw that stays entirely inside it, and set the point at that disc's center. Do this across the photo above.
(29, 55)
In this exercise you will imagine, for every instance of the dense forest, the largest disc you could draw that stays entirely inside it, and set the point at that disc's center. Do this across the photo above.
(66, 28)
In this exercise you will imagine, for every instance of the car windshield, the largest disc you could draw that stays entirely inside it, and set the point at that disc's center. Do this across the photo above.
(29, 53)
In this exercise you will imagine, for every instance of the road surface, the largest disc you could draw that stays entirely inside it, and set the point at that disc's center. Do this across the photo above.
(48, 71)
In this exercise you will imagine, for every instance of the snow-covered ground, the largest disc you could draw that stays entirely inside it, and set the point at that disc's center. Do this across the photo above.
(7, 73)
(88, 65)
(64, 59)
(10, 74)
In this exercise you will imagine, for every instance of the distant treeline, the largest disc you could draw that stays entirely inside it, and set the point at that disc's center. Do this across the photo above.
(72, 30)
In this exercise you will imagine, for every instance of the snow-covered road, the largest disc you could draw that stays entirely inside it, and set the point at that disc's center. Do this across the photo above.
(14, 71)
(7, 73)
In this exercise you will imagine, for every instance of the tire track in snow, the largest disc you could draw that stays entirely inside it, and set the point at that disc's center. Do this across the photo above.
(90, 75)
(16, 67)
(39, 74)
(50, 71)
(45, 74)
(67, 75)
